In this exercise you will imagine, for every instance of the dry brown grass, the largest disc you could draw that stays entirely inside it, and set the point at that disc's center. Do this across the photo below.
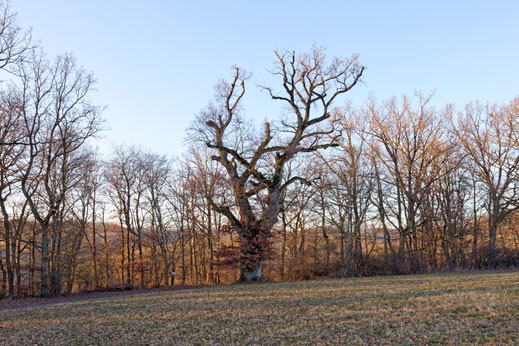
(447, 308)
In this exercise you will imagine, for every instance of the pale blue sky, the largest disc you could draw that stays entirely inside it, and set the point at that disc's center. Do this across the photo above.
(157, 61)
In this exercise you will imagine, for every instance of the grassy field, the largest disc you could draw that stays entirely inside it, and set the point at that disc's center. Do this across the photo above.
(446, 308)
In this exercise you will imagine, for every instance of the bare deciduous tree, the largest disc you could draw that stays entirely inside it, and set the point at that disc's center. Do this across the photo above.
(58, 119)
(11, 133)
(412, 141)
(256, 168)
(490, 137)
(15, 43)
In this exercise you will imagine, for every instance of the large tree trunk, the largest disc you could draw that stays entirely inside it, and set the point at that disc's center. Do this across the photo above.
(253, 245)
(252, 271)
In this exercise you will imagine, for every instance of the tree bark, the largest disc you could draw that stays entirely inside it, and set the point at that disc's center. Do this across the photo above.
(253, 245)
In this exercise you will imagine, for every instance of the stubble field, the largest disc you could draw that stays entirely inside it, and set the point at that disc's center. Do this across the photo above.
(443, 308)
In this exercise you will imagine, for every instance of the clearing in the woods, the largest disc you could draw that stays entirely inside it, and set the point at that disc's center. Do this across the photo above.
(445, 308)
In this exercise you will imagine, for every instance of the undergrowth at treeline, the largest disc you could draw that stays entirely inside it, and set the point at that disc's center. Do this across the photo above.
(445, 308)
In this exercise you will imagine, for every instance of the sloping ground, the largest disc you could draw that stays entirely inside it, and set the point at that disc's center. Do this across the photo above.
(33, 302)
(449, 308)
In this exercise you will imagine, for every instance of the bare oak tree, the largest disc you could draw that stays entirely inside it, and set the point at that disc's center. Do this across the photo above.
(256, 166)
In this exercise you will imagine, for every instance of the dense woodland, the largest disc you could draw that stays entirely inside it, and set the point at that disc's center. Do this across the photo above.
(325, 189)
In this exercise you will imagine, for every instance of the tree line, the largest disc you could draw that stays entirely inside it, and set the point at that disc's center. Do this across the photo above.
(325, 189)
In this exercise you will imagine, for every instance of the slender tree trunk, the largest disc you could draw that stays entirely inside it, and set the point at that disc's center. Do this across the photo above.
(129, 256)
(210, 244)
(94, 243)
(8, 249)
(8, 264)
(33, 259)
(174, 269)
(326, 239)
(342, 244)
(166, 267)
(4, 278)
(123, 253)
(139, 242)
(183, 251)
(283, 245)
(44, 262)
(492, 236)
(492, 231)
(107, 256)
(141, 258)
(18, 268)
(55, 263)
(71, 280)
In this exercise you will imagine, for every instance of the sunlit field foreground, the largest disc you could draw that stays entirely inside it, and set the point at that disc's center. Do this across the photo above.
(467, 308)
